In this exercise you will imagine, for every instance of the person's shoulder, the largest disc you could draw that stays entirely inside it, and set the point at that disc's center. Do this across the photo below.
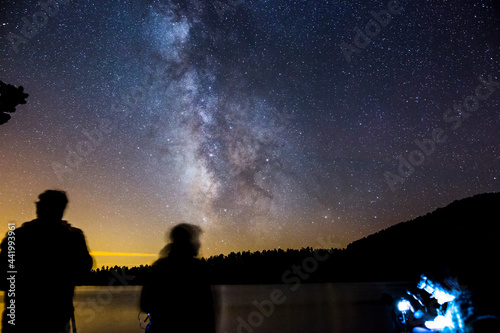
(27, 227)
(161, 262)
(29, 224)
(160, 267)
(66, 225)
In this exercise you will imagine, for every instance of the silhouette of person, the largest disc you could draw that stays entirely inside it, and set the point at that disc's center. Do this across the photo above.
(177, 293)
(49, 258)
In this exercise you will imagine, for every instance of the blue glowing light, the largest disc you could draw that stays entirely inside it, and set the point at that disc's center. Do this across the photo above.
(418, 314)
(449, 320)
(440, 323)
(436, 290)
(404, 305)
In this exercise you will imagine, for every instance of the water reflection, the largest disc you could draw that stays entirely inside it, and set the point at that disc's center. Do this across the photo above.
(350, 307)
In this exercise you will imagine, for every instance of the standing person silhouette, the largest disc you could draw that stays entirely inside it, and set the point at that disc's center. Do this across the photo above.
(177, 293)
(49, 257)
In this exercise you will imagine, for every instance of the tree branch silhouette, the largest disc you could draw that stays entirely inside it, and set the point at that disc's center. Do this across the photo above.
(10, 97)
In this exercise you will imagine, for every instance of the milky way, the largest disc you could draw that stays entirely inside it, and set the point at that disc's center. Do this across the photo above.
(225, 149)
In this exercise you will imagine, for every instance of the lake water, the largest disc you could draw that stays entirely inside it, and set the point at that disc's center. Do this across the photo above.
(308, 308)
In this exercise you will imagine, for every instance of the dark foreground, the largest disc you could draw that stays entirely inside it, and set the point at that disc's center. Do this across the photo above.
(338, 307)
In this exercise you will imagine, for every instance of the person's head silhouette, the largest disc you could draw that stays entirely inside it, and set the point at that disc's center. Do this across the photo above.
(185, 240)
(51, 205)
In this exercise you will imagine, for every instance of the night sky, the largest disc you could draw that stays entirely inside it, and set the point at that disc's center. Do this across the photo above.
(269, 123)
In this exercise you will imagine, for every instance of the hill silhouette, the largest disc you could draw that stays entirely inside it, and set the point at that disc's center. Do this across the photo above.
(460, 240)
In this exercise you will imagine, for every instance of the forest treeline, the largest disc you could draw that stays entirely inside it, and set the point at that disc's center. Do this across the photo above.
(459, 240)
(260, 267)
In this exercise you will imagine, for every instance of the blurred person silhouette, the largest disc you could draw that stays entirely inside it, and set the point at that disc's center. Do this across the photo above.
(50, 256)
(177, 294)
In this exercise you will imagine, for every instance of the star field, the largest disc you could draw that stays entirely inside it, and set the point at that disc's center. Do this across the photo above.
(268, 123)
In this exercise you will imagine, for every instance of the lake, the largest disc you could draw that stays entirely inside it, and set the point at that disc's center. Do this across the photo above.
(335, 307)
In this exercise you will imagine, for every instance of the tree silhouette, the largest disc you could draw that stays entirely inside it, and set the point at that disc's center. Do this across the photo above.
(10, 97)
